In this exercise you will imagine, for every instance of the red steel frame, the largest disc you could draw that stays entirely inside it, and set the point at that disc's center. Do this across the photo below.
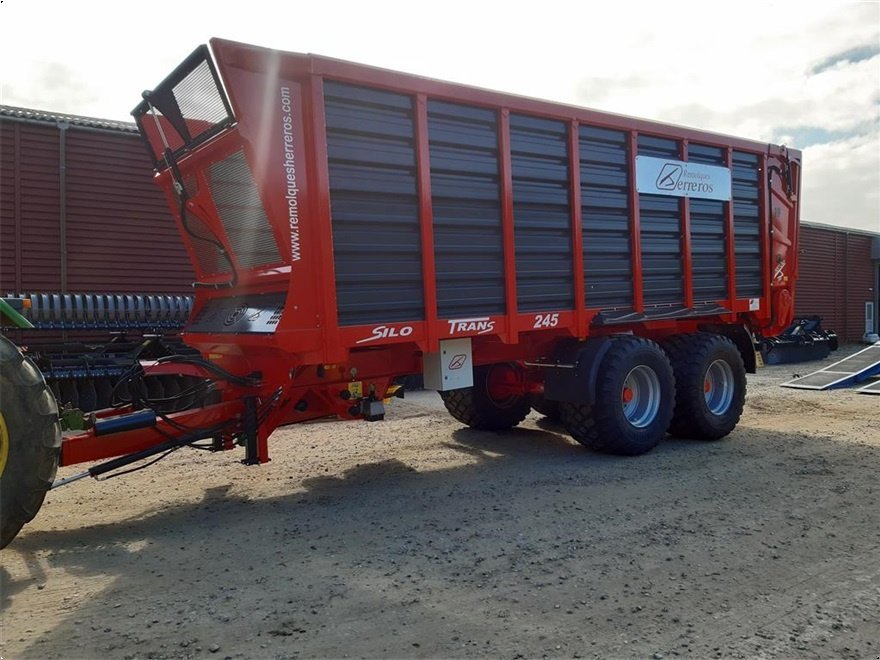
(686, 258)
(309, 336)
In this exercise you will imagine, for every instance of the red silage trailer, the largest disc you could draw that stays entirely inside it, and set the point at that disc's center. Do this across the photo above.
(350, 225)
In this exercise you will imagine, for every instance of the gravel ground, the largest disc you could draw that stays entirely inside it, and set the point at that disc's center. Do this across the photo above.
(416, 537)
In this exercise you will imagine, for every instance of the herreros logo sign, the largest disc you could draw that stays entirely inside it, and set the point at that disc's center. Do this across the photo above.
(661, 176)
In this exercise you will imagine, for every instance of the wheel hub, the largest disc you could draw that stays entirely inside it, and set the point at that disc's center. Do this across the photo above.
(640, 396)
(718, 387)
(504, 385)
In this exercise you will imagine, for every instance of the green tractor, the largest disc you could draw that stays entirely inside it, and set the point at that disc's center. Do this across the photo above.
(30, 434)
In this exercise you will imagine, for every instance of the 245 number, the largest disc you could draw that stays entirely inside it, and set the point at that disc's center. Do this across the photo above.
(546, 320)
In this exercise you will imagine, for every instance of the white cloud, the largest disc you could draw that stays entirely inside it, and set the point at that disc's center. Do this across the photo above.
(841, 183)
(45, 84)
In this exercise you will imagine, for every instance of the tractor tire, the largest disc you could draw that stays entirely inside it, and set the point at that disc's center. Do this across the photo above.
(476, 407)
(550, 409)
(30, 440)
(710, 385)
(635, 391)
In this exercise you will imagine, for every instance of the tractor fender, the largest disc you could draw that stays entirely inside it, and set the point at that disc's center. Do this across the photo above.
(573, 376)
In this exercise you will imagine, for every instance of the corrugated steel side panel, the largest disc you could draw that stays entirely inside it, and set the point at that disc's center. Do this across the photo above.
(820, 279)
(861, 283)
(374, 205)
(835, 279)
(840, 284)
(660, 222)
(542, 216)
(120, 234)
(465, 190)
(8, 247)
(241, 211)
(708, 235)
(747, 225)
(40, 198)
(605, 218)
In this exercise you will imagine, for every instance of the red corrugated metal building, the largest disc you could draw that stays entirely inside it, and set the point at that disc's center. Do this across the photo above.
(839, 278)
(79, 211)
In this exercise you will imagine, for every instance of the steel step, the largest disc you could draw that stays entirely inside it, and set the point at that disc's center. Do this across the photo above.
(871, 388)
(849, 371)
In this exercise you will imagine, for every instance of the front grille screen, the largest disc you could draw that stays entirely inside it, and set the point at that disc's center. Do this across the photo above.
(241, 212)
(186, 109)
(206, 248)
(200, 102)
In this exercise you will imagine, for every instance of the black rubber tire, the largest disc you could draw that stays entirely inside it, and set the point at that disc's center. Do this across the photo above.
(31, 442)
(475, 407)
(603, 426)
(542, 406)
(691, 355)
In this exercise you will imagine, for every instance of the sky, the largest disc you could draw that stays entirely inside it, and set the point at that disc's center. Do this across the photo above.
(805, 74)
